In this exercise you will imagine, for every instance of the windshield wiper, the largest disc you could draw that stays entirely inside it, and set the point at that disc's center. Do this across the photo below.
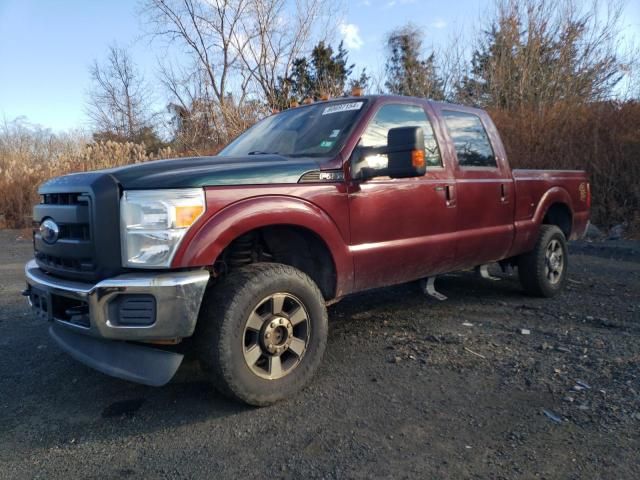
(260, 152)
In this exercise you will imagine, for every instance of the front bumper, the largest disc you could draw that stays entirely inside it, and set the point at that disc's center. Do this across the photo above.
(96, 324)
(170, 303)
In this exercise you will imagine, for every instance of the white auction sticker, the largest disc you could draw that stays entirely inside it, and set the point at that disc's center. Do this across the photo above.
(343, 107)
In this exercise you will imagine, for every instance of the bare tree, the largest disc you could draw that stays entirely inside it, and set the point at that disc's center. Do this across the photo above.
(271, 39)
(538, 52)
(239, 51)
(207, 29)
(118, 103)
(199, 122)
(452, 64)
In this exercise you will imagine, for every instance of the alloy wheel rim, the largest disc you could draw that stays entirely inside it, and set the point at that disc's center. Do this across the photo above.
(276, 336)
(554, 262)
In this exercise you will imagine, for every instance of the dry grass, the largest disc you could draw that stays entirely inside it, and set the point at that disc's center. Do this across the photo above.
(28, 158)
(601, 138)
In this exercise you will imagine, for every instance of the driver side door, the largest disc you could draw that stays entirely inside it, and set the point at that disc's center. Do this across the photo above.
(402, 229)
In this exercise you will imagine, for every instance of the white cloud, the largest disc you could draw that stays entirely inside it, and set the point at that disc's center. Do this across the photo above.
(351, 35)
(439, 24)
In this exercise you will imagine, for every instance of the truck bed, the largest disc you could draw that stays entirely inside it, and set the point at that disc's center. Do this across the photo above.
(536, 191)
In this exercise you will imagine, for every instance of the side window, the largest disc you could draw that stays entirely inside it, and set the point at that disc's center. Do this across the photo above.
(473, 147)
(394, 116)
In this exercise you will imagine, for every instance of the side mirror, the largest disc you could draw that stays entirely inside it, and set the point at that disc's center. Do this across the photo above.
(405, 151)
(405, 156)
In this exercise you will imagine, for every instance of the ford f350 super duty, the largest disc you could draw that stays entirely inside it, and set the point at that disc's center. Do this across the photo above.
(236, 257)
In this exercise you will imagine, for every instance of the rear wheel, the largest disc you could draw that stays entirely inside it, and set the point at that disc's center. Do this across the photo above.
(262, 332)
(543, 271)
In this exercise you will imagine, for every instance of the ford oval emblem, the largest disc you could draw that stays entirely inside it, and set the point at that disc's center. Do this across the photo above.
(49, 231)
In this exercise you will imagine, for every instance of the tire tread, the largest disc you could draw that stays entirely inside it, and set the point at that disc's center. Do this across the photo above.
(531, 264)
(215, 325)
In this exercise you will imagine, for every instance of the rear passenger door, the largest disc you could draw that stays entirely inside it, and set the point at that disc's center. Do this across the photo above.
(484, 186)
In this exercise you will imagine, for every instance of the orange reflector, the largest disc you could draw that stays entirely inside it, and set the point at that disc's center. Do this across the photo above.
(324, 97)
(356, 91)
(185, 216)
(417, 158)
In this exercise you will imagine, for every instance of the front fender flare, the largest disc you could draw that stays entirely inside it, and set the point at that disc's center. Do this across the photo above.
(218, 231)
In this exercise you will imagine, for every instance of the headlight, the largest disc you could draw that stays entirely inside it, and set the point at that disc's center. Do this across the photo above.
(153, 222)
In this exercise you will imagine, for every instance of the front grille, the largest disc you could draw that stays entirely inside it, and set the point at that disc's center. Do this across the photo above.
(62, 263)
(64, 199)
(80, 231)
(85, 207)
(72, 252)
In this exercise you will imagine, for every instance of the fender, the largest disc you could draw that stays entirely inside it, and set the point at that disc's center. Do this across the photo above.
(551, 196)
(224, 226)
(526, 231)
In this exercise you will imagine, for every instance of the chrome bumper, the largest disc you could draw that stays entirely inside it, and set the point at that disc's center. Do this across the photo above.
(177, 296)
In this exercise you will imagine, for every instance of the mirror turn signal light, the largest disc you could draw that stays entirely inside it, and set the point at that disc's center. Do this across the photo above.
(417, 158)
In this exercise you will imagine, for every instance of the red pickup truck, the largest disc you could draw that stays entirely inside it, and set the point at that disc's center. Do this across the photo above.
(236, 256)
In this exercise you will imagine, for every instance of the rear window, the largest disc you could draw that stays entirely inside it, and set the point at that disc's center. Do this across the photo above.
(470, 139)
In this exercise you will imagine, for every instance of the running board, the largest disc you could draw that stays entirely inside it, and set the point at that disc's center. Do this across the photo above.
(428, 286)
(483, 271)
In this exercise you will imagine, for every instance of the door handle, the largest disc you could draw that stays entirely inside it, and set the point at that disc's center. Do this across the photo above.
(503, 193)
(449, 195)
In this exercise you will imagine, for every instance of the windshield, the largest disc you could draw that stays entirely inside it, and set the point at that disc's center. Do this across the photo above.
(315, 131)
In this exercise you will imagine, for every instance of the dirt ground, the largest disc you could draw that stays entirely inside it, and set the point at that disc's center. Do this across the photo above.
(410, 388)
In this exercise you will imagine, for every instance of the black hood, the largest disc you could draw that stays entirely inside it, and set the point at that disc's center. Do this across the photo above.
(213, 171)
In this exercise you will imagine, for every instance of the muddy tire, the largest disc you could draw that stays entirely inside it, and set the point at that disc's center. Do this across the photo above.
(262, 333)
(543, 270)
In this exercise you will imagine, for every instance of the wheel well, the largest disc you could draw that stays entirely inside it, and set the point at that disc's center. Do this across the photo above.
(559, 214)
(296, 246)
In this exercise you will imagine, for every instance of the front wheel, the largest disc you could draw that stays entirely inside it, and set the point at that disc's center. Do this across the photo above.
(262, 332)
(543, 271)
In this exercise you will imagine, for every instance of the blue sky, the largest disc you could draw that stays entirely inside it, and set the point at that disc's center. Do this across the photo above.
(46, 47)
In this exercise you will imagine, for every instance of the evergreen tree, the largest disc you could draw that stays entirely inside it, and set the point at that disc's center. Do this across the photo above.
(325, 73)
(361, 82)
(407, 73)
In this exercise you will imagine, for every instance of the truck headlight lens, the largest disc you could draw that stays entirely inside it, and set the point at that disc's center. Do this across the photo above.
(153, 222)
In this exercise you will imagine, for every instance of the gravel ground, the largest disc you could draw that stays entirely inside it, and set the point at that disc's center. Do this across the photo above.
(410, 388)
